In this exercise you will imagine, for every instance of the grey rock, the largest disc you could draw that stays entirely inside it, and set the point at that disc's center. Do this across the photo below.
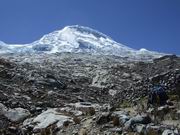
(168, 132)
(17, 114)
(71, 111)
(144, 119)
(86, 107)
(3, 109)
(126, 75)
(154, 129)
(47, 118)
(116, 130)
(122, 116)
(140, 128)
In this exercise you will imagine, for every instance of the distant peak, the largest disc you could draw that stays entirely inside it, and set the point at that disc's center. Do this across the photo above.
(143, 50)
(77, 39)
(2, 43)
(83, 29)
(74, 34)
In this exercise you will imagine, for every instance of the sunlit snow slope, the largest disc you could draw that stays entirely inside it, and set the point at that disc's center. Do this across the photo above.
(79, 39)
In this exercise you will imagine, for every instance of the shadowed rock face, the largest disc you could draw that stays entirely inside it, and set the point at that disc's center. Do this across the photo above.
(37, 82)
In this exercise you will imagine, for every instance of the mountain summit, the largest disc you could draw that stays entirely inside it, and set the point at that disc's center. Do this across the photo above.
(79, 39)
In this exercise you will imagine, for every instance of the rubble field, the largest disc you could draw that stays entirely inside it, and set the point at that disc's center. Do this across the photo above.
(83, 94)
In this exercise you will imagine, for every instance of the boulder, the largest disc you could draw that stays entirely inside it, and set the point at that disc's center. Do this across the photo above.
(152, 129)
(168, 132)
(121, 116)
(116, 130)
(47, 118)
(140, 128)
(3, 109)
(126, 75)
(83, 131)
(17, 114)
(68, 110)
(144, 119)
(86, 107)
(112, 92)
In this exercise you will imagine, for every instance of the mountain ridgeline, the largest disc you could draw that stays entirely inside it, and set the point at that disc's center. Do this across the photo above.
(79, 39)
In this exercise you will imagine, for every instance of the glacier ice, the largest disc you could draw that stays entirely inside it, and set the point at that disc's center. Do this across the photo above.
(79, 39)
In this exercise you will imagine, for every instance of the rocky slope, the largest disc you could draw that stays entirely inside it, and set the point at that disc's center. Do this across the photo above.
(77, 93)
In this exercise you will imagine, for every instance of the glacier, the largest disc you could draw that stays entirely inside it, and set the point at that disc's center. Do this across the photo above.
(78, 39)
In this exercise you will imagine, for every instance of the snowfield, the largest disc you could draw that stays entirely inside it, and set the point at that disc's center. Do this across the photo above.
(79, 39)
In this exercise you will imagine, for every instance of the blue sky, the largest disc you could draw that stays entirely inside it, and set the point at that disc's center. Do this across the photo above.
(151, 24)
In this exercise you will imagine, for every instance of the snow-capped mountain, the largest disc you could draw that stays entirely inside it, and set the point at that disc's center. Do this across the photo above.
(79, 39)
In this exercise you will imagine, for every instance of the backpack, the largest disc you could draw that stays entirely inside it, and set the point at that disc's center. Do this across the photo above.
(158, 95)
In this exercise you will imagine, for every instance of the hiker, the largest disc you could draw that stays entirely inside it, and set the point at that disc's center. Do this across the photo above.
(157, 96)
